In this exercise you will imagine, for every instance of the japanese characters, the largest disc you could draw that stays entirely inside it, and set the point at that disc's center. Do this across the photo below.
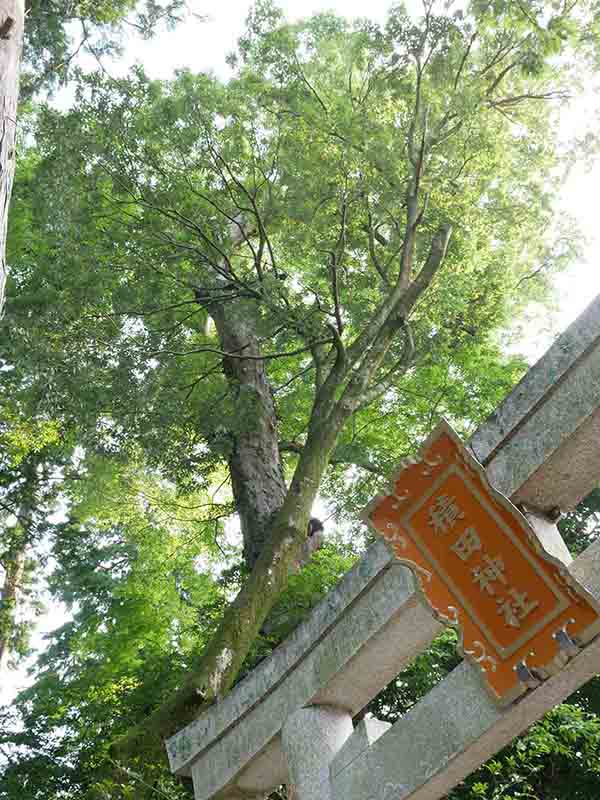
(487, 571)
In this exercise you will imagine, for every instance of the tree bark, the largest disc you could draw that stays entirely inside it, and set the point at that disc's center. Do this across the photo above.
(11, 45)
(255, 465)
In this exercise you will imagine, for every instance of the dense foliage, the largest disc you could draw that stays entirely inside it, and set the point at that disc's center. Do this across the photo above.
(230, 298)
(60, 31)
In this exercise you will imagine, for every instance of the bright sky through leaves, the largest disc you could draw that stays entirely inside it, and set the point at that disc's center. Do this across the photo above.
(204, 44)
(210, 33)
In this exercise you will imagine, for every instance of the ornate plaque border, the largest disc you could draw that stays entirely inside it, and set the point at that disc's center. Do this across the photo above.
(431, 470)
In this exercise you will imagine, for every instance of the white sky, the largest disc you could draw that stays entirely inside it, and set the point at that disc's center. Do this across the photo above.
(204, 46)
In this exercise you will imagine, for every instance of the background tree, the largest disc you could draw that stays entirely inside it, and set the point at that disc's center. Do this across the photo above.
(59, 31)
(49, 49)
(32, 457)
(136, 564)
(270, 275)
(49, 54)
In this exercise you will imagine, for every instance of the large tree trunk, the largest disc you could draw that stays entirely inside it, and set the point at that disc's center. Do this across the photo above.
(274, 521)
(11, 45)
(254, 462)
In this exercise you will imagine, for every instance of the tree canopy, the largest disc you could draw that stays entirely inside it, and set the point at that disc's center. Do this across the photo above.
(41, 42)
(231, 299)
(57, 32)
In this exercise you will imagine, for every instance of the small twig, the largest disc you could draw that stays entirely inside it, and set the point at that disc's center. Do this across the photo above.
(533, 274)
(216, 535)
(309, 86)
(293, 378)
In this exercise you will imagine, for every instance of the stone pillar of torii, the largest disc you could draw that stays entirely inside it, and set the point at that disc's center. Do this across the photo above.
(290, 720)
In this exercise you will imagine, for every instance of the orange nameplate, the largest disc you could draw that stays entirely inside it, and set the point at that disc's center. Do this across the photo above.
(481, 567)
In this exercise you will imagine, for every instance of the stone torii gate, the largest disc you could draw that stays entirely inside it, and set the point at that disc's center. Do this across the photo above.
(290, 720)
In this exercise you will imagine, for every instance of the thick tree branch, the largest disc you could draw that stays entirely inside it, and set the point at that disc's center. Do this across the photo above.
(517, 99)
(222, 658)
(437, 253)
(309, 85)
(402, 303)
(464, 58)
(400, 366)
(336, 259)
(339, 457)
(501, 75)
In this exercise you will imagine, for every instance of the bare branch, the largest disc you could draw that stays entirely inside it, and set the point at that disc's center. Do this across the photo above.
(558, 94)
(293, 378)
(260, 223)
(309, 85)
(372, 234)
(501, 75)
(528, 16)
(338, 457)
(502, 52)
(533, 274)
(141, 312)
(216, 351)
(464, 59)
